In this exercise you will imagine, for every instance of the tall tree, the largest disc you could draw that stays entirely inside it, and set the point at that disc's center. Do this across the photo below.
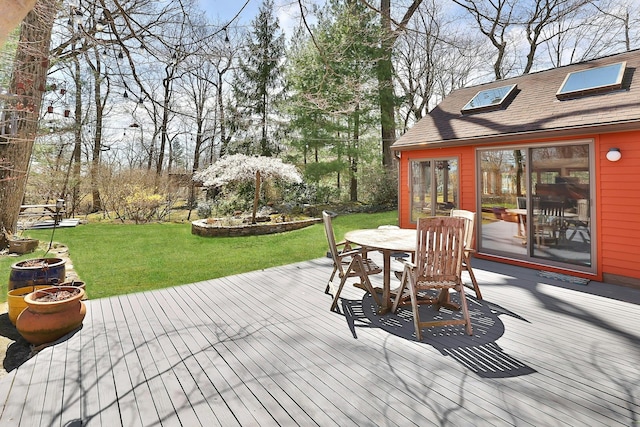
(431, 59)
(497, 19)
(19, 121)
(258, 84)
(388, 36)
(333, 100)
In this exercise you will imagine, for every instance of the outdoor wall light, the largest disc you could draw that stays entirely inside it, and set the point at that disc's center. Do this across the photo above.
(614, 154)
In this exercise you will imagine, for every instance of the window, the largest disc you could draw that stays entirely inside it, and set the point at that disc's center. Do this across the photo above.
(593, 80)
(434, 187)
(489, 99)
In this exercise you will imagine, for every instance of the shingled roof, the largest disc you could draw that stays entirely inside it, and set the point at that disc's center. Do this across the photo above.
(534, 111)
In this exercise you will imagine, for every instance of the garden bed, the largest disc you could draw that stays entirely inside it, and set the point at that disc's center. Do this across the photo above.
(208, 228)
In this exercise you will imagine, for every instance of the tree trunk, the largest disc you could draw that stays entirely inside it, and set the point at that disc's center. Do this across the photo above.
(97, 141)
(385, 85)
(21, 111)
(224, 140)
(256, 198)
(164, 138)
(77, 148)
(353, 172)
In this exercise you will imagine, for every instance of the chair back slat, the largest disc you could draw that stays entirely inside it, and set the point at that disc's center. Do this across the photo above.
(331, 239)
(470, 225)
(551, 208)
(440, 245)
(583, 210)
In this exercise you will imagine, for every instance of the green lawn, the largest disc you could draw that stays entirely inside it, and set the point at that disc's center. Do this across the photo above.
(115, 259)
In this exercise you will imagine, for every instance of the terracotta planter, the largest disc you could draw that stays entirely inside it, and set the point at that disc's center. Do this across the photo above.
(44, 321)
(37, 271)
(15, 300)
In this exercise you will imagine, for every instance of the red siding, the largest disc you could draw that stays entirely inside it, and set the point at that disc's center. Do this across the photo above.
(618, 208)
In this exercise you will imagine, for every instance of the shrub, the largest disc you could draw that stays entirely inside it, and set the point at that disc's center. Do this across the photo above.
(137, 195)
(382, 188)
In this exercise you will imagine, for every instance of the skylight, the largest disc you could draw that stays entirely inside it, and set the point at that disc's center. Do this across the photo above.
(489, 99)
(608, 77)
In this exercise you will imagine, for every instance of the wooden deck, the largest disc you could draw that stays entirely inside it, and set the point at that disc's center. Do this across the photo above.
(262, 349)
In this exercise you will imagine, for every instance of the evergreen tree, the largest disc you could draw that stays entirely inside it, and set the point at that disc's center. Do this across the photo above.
(258, 81)
(333, 99)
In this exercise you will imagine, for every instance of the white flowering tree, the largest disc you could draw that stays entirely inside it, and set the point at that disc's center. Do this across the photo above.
(241, 168)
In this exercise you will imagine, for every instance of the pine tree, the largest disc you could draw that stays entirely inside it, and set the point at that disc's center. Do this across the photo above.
(258, 82)
(334, 98)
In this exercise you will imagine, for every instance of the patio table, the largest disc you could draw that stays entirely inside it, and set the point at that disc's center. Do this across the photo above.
(387, 241)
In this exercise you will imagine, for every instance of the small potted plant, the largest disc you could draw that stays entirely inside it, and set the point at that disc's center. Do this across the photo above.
(22, 245)
(19, 244)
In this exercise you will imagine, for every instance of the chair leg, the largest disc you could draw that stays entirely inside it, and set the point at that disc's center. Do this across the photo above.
(334, 304)
(333, 274)
(356, 265)
(467, 266)
(465, 311)
(415, 309)
(367, 284)
(400, 290)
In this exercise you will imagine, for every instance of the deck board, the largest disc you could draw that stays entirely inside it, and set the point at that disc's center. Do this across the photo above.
(262, 349)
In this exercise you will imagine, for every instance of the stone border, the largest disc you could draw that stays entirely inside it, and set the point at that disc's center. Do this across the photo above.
(200, 227)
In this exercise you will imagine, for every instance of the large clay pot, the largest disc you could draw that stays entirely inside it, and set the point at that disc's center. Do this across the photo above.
(46, 321)
(15, 300)
(37, 271)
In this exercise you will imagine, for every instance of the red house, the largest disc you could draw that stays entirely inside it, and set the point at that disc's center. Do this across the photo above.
(550, 161)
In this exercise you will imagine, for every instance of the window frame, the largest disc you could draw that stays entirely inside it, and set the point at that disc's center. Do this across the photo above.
(433, 160)
(587, 90)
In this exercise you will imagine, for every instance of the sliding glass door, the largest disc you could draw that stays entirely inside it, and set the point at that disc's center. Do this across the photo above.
(536, 203)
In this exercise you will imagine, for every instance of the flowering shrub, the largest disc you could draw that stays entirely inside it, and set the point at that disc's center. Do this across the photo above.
(137, 195)
(239, 171)
(141, 204)
(240, 168)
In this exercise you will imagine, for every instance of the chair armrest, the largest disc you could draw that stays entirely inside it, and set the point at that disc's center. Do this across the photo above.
(409, 265)
(342, 243)
(351, 252)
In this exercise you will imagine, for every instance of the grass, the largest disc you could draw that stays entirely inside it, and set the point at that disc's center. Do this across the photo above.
(115, 259)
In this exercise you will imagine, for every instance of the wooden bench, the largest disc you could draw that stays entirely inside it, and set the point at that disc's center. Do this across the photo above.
(42, 211)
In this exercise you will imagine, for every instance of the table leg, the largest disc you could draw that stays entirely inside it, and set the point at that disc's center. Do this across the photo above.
(386, 282)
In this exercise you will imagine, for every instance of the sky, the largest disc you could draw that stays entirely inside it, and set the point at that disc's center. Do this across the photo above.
(222, 11)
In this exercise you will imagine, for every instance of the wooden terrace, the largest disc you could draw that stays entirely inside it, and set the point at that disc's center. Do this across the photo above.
(263, 349)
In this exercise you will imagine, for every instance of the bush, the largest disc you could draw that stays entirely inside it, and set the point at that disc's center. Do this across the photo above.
(382, 187)
(137, 195)
(204, 210)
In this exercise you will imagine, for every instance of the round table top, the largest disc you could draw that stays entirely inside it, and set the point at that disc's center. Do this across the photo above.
(399, 239)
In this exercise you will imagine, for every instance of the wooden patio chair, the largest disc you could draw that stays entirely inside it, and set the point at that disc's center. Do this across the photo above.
(469, 231)
(438, 266)
(549, 221)
(348, 263)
